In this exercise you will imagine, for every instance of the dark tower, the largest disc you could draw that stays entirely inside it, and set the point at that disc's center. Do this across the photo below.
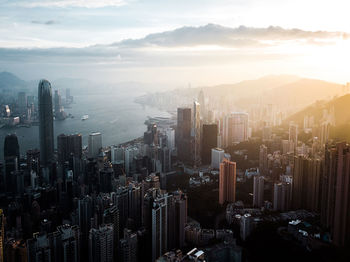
(11, 155)
(46, 122)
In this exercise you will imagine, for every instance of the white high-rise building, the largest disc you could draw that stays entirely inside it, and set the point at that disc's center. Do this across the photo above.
(217, 155)
(95, 144)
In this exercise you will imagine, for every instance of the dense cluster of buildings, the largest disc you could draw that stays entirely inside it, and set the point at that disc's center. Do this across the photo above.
(24, 109)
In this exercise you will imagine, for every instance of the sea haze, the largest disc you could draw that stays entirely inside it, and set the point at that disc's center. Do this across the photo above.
(113, 113)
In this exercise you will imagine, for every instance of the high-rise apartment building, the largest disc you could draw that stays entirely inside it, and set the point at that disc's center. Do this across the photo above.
(46, 132)
(101, 244)
(281, 196)
(227, 182)
(335, 203)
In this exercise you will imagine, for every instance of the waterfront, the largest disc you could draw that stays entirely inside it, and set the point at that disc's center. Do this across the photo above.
(114, 114)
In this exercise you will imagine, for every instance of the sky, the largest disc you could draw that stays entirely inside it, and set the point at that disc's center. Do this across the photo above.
(201, 42)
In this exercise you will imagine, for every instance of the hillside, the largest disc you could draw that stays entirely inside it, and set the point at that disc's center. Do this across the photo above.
(287, 93)
(341, 113)
(10, 81)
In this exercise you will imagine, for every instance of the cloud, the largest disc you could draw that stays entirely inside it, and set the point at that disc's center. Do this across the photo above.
(212, 34)
(183, 47)
(49, 22)
(70, 3)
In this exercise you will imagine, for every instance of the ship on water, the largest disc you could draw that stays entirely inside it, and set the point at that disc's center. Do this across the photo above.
(84, 117)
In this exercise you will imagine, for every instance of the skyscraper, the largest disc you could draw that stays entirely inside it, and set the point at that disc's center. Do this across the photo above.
(183, 134)
(128, 247)
(335, 201)
(57, 103)
(22, 102)
(236, 128)
(69, 145)
(95, 144)
(263, 169)
(196, 133)
(209, 141)
(11, 155)
(46, 123)
(258, 191)
(293, 136)
(217, 155)
(281, 196)
(159, 227)
(101, 244)
(227, 182)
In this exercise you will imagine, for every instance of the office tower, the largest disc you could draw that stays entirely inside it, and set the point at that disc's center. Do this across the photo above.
(2, 235)
(159, 227)
(69, 243)
(101, 244)
(111, 216)
(46, 123)
(217, 155)
(11, 156)
(209, 141)
(281, 196)
(170, 138)
(57, 103)
(258, 191)
(106, 175)
(95, 144)
(128, 247)
(293, 136)
(227, 182)
(22, 102)
(183, 134)
(196, 133)
(180, 218)
(336, 193)
(236, 128)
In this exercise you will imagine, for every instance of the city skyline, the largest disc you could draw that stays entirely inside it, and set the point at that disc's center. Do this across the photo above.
(174, 131)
